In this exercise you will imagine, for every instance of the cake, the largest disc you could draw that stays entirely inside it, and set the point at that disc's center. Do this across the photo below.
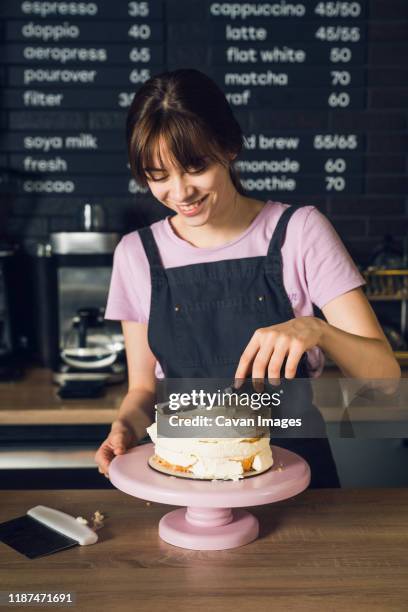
(211, 458)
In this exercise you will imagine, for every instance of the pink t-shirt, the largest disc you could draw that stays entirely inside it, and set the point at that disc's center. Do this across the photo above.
(316, 265)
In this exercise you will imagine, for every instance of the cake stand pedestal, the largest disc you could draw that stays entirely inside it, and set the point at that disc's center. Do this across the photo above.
(213, 519)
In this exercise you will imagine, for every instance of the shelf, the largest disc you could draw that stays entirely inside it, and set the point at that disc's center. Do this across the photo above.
(387, 298)
(402, 357)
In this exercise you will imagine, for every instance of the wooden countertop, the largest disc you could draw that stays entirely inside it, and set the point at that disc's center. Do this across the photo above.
(327, 549)
(33, 400)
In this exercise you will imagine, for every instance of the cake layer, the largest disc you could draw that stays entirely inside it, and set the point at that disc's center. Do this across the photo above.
(218, 458)
(232, 468)
(209, 447)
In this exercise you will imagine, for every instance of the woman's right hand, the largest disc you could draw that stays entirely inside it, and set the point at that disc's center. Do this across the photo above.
(120, 439)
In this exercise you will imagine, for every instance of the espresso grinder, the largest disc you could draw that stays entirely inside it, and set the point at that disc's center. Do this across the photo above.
(85, 351)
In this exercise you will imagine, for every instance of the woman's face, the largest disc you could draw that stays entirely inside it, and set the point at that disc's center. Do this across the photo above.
(197, 196)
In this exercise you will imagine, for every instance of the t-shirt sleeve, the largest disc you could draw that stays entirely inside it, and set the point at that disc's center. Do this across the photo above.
(123, 301)
(329, 268)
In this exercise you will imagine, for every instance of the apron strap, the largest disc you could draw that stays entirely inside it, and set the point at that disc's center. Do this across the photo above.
(273, 265)
(274, 257)
(150, 247)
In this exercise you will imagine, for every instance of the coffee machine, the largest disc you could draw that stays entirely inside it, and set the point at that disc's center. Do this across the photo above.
(72, 276)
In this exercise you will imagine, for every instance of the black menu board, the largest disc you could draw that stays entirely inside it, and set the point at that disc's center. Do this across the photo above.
(297, 74)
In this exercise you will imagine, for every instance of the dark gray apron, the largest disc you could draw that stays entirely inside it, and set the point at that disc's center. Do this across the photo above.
(202, 316)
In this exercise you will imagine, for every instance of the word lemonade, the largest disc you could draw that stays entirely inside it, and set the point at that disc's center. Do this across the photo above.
(230, 456)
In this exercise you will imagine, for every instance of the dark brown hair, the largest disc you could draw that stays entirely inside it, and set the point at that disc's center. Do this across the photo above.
(188, 112)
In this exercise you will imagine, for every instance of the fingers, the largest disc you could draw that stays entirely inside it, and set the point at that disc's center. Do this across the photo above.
(128, 439)
(114, 445)
(275, 363)
(106, 474)
(103, 457)
(295, 354)
(267, 350)
(118, 443)
(246, 360)
(261, 361)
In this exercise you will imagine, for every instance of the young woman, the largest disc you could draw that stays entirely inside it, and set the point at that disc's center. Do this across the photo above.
(225, 287)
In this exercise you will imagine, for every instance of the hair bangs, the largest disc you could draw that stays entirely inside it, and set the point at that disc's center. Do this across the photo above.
(176, 140)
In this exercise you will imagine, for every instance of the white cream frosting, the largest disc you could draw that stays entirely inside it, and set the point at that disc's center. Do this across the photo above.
(217, 458)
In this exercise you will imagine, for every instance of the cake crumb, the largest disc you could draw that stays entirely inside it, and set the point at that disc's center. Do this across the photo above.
(97, 520)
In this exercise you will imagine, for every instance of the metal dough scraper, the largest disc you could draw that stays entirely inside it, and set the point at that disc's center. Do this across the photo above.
(43, 531)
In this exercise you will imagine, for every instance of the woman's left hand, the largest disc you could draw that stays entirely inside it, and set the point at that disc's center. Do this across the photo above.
(269, 346)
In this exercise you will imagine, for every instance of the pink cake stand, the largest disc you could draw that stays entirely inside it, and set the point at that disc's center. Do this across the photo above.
(208, 523)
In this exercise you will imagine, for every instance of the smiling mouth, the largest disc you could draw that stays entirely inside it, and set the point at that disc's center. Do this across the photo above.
(192, 206)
